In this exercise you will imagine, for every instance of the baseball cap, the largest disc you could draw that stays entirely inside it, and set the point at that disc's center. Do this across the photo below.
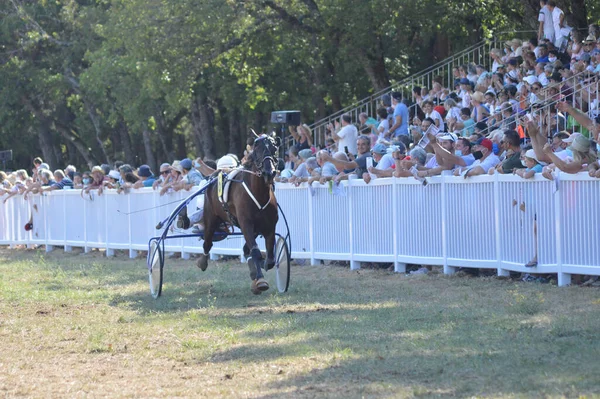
(186, 163)
(484, 142)
(530, 79)
(379, 148)
(144, 171)
(571, 137)
(448, 136)
(114, 174)
(531, 154)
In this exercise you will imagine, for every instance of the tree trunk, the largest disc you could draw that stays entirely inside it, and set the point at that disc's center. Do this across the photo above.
(235, 142)
(47, 145)
(129, 154)
(150, 160)
(374, 65)
(203, 120)
(181, 151)
(576, 14)
(224, 127)
(195, 120)
(89, 158)
(164, 135)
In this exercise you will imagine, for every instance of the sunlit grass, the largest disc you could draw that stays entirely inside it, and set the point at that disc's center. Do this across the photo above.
(84, 325)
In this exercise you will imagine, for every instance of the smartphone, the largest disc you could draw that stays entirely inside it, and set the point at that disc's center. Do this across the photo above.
(346, 150)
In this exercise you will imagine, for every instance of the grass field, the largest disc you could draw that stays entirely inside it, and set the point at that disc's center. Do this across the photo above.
(81, 325)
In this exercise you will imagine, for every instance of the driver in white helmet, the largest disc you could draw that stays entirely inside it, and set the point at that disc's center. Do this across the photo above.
(226, 164)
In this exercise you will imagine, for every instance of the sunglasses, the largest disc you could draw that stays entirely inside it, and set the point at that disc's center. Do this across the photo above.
(165, 172)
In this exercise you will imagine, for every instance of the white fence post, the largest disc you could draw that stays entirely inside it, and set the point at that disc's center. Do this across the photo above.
(563, 278)
(132, 252)
(311, 227)
(353, 264)
(109, 252)
(501, 271)
(398, 266)
(447, 269)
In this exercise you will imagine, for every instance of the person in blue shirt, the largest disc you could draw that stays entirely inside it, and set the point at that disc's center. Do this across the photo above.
(61, 182)
(400, 118)
(146, 177)
(532, 166)
(543, 54)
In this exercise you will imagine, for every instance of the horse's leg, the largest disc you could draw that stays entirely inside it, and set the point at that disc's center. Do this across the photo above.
(210, 225)
(254, 263)
(270, 244)
(246, 251)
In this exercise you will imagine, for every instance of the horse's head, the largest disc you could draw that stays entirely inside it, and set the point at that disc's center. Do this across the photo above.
(264, 152)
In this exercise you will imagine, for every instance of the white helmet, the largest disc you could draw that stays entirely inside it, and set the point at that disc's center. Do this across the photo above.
(226, 162)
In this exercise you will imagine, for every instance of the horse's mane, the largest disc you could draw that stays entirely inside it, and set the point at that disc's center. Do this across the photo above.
(249, 161)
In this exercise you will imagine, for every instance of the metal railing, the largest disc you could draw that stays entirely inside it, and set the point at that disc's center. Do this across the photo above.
(478, 53)
(578, 90)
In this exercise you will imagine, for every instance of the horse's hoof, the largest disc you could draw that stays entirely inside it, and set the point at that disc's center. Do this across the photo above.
(252, 269)
(202, 262)
(254, 288)
(262, 284)
(270, 264)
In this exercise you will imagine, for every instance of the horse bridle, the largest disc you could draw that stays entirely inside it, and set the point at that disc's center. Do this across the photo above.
(267, 156)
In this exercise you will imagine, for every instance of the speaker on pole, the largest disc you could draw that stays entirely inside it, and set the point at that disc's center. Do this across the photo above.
(285, 118)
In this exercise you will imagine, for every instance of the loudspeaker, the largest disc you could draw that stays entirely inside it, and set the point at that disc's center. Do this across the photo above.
(287, 117)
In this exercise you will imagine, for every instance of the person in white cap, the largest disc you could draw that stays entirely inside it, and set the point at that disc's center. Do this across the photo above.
(532, 166)
(582, 156)
(444, 159)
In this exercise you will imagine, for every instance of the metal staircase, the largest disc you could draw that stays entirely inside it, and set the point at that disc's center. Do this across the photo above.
(477, 53)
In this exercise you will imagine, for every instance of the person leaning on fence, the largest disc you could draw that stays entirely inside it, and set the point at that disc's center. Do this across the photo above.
(123, 171)
(510, 145)
(163, 175)
(359, 164)
(403, 164)
(386, 164)
(532, 166)
(583, 155)
(191, 177)
(19, 187)
(379, 151)
(327, 169)
(312, 170)
(146, 177)
(301, 171)
(61, 182)
(444, 159)
(174, 177)
(113, 180)
(97, 181)
(485, 159)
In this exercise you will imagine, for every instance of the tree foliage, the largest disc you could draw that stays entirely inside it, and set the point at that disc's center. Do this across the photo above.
(146, 81)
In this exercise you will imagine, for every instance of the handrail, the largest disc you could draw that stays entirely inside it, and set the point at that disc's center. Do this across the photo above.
(397, 84)
(442, 68)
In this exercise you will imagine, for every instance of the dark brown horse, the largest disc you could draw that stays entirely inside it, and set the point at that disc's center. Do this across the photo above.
(251, 206)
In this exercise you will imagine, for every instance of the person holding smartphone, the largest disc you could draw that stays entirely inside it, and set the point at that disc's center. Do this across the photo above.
(345, 134)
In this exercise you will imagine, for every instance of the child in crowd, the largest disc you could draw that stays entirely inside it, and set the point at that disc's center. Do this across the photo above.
(532, 166)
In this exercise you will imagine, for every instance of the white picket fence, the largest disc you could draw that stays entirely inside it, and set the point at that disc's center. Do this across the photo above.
(482, 222)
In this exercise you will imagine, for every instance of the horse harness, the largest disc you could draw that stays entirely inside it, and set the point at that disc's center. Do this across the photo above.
(224, 181)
